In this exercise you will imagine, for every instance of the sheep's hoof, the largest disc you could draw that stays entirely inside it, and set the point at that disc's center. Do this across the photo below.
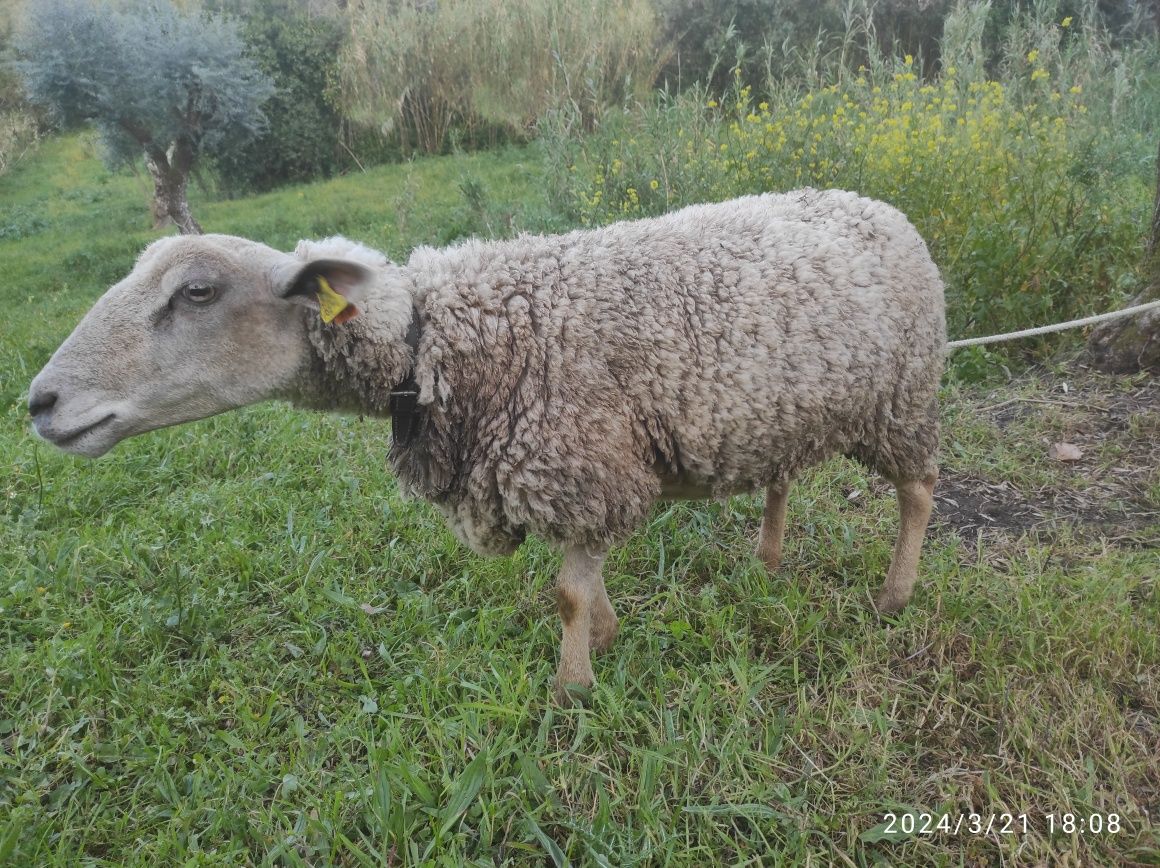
(571, 693)
(890, 602)
(772, 560)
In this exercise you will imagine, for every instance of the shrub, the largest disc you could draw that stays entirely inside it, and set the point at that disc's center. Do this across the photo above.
(302, 139)
(1033, 209)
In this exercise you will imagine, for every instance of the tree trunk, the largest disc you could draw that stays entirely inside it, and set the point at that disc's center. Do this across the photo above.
(1124, 346)
(1133, 343)
(170, 173)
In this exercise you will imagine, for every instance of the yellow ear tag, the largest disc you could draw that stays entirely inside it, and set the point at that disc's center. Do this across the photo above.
(330, 303)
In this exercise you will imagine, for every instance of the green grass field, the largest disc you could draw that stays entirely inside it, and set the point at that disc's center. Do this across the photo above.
(233, 642)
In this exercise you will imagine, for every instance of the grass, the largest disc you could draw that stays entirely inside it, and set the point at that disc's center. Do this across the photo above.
(234, 642)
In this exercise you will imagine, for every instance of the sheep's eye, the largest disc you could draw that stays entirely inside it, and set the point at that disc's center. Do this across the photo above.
(199, 293)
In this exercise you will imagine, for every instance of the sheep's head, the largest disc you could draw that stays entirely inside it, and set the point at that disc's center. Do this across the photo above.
(203, 324)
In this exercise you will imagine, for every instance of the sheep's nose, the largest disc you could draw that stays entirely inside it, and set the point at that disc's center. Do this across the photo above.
(41, 402)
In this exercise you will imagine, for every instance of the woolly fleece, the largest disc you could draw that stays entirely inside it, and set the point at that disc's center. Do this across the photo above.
(569, 381)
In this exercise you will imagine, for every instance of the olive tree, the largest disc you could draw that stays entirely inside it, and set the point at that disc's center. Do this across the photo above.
(156, 82)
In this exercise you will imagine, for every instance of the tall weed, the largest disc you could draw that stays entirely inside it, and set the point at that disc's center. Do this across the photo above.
(18, 133)
(421, 70)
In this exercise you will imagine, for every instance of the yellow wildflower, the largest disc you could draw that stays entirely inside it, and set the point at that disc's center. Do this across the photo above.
(1033, 55)
(1066, 22)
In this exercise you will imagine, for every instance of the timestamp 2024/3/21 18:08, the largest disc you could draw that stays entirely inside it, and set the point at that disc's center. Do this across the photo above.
(1065, 823)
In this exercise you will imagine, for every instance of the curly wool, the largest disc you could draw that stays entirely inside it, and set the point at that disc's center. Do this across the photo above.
(569, 381)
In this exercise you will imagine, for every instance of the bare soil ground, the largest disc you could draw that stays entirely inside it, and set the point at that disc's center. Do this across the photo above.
(1109, 491)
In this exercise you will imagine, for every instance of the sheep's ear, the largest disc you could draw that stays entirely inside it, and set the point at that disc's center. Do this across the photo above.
(333, 287)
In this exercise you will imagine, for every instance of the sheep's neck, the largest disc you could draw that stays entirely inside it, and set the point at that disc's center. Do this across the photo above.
(354, 367)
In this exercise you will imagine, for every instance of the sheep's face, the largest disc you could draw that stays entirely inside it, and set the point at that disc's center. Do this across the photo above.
(202, 325)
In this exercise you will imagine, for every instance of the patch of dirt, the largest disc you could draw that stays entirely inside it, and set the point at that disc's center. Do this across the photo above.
(970, 506)
(1115, 423)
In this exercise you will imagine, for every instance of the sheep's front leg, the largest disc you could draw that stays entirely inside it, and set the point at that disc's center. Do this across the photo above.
(581, 600)
(915, 500)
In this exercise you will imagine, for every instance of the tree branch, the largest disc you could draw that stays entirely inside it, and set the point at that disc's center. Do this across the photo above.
(136, 130)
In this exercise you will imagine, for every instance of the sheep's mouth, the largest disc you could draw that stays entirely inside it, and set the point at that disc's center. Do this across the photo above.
(69, 440)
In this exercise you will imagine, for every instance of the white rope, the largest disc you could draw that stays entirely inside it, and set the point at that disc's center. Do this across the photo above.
(1058, 327)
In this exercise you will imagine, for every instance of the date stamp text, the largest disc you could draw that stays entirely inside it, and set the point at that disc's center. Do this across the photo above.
(906, 824)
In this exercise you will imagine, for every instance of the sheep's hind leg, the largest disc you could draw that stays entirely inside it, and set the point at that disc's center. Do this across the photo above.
(915, 499)
(579, 592)
(773, 525)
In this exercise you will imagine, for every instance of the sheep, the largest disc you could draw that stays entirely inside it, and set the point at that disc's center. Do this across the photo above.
(554, 385)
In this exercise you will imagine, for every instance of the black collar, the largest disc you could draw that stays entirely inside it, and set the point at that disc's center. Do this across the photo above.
(406, 414)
